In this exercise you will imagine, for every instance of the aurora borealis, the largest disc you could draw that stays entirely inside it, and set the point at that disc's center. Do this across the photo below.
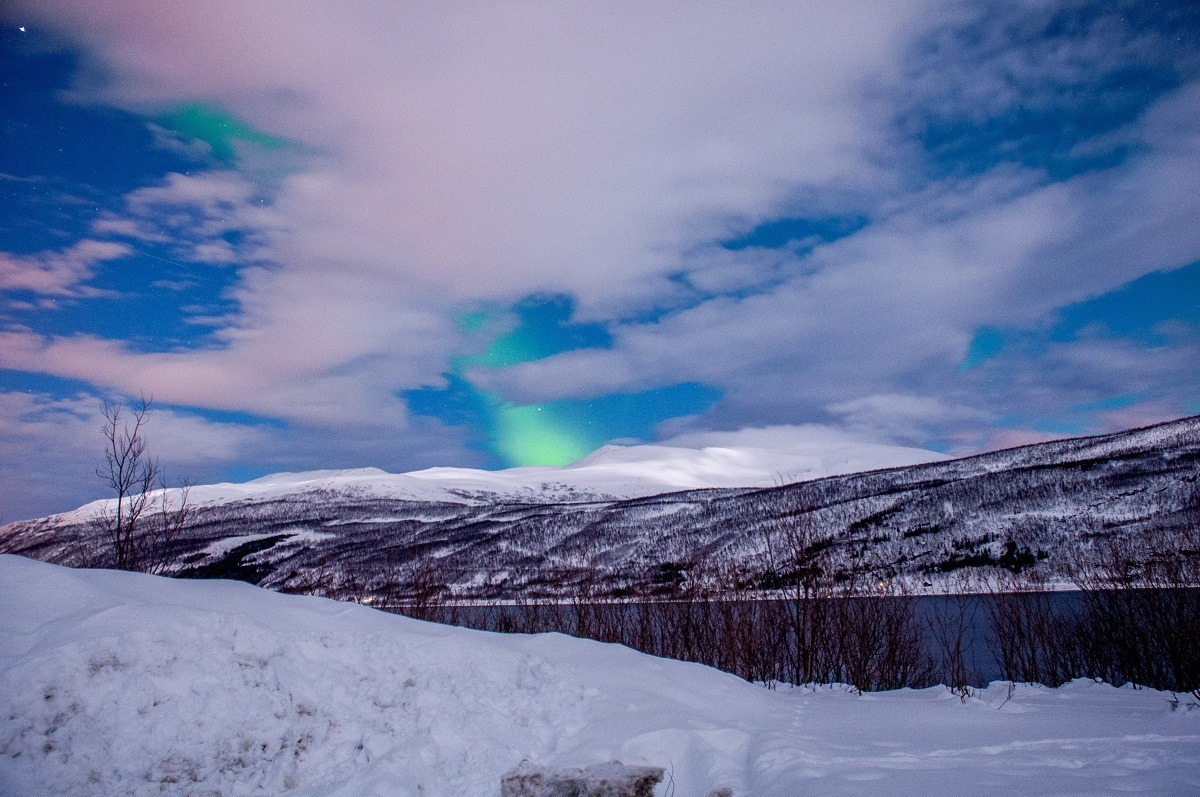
(405, 235)
(212, 126)
(554, 432)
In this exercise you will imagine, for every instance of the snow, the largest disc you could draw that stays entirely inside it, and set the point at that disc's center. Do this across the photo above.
(116, 683)
(293, 537)
(611, 472)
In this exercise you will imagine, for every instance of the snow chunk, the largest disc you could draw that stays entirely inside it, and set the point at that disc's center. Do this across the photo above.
(613, 779)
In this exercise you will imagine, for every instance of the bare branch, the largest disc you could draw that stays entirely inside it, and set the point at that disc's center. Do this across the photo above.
(133, 542)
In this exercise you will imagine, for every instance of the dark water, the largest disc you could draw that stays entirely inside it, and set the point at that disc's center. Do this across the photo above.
(963, 621)
(1141, 636)
(980, 641)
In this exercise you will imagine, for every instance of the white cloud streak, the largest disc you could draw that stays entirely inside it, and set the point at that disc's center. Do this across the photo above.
(62, 273)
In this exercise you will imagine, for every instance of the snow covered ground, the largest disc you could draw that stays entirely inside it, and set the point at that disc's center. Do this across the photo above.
(115, 683)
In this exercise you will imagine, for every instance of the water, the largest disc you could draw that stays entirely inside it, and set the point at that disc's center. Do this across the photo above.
(980, 640)
(963, 621)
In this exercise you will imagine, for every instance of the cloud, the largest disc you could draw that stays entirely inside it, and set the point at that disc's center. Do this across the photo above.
(1072, 375)
(1030, 82)
(193, 214)
(304, 377)
(904, 418)
(60, 273)
(799, 439)
(509, 150)
(454, 157)
(896, 303)
(192, 148)
(322, 343)
(447, 158)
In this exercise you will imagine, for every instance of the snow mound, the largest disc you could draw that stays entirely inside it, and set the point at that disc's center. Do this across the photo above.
(123, 684)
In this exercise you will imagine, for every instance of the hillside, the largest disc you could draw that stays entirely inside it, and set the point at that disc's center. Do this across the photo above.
(355, 534)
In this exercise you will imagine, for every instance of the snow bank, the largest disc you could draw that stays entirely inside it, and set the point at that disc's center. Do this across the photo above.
(115, 683)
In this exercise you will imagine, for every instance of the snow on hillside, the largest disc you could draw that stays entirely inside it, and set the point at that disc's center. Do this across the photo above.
(115, 683)
(611, 472)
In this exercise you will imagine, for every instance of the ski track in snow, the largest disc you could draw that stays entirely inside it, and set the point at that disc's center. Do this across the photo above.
(114, 683)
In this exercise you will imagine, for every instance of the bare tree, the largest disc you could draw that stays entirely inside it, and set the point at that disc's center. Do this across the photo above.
(807, 577)
(169, 515)
(137, 529)
(952, 628)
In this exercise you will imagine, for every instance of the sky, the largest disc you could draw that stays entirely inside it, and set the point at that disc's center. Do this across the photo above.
(349, 234)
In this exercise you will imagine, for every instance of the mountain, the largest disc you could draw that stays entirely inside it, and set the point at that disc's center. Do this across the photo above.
(606, 524)
(609, 473)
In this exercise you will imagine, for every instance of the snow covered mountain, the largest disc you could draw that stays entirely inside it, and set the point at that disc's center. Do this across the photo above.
(607, 519)
(609, 473)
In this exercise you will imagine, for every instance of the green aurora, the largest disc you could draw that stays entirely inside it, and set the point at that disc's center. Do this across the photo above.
(217, 128)
(554, 432)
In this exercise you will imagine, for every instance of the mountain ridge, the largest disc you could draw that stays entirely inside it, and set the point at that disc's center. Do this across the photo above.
(609, 473)
(1043, 501)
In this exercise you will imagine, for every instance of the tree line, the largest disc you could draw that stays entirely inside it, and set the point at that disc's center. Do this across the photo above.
(800, 615)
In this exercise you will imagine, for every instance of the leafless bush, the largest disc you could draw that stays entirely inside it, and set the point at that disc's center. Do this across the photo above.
(875, 638)
(1033, 639)
(797, 563)
(140, 525)
(1134, 621)
(952, 627)
(413, 588)
(319, 580)
(1141, 599)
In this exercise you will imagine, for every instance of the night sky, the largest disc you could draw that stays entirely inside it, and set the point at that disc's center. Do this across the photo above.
(347, 234)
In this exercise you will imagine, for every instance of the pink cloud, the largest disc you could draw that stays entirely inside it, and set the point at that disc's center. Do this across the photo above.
(61, 273)
(451, 156)
(500, 150)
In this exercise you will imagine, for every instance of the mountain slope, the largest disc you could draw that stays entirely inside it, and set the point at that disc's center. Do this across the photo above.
(1044, 501)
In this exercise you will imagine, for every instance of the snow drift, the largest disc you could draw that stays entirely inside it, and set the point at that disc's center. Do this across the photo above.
(115, 683)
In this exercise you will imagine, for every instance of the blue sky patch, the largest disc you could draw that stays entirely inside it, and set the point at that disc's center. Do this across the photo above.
(986, 344)
(1140, 309)
(778, 233)
(45, 384)
(554, 432)
(151, 304)
(1143, 311)
(60, 162)
(225, 416)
